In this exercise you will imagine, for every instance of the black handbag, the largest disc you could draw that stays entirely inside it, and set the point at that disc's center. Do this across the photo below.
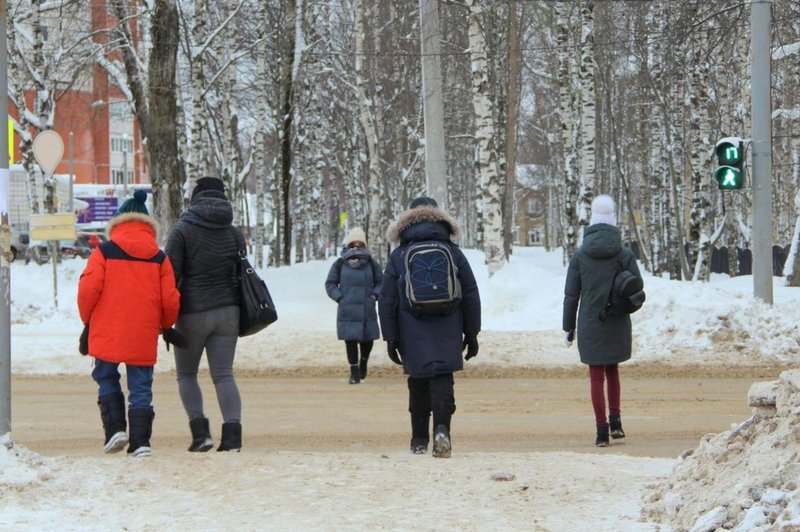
(256, 309)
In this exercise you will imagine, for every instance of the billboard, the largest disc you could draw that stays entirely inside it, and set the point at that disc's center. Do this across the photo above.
(100, 209)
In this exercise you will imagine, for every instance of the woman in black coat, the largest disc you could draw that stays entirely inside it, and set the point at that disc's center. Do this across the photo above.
(203, 248)
(602, 343)
(428, 346)
(354, 282)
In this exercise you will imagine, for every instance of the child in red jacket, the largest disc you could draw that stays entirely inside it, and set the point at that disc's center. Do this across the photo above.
(126, 296)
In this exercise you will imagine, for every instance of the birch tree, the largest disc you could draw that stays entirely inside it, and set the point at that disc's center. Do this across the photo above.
(366, 115)
(490, 185)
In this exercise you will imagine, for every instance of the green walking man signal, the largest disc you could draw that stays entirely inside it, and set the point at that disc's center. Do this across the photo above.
(730, 163)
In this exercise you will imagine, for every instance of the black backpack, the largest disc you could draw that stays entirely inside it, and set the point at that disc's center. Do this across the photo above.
(431, 284)
(626, 294)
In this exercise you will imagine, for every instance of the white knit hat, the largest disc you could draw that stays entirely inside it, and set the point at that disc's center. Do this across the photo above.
(355, 234)
(603, 211)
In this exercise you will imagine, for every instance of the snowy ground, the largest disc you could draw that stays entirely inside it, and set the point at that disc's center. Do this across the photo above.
(712, 324)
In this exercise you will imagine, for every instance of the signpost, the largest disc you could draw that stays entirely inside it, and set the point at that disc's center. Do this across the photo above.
(48, 149)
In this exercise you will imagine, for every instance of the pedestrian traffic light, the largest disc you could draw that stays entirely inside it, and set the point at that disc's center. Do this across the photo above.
(730, 163)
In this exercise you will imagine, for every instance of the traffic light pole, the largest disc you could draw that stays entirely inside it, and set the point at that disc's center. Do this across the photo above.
(761, 148)
(5, 270)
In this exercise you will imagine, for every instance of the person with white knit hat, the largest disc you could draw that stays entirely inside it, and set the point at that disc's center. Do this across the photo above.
(604, 340)
(603, 211)
(354, 282)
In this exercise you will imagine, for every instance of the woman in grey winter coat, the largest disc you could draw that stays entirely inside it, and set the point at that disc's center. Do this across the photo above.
(354, 282)
(602, 343)
(203, 247)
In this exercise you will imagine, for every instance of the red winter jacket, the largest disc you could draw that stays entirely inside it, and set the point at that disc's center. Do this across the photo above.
(127, 293)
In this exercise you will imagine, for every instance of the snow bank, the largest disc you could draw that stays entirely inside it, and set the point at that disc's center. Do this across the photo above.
(681, 323)
(20, 467)
(745, 479)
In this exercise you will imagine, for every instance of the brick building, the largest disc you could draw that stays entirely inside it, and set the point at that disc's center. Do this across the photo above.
(107, 141)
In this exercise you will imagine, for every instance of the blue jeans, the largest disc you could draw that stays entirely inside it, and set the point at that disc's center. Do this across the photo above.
(140, 383)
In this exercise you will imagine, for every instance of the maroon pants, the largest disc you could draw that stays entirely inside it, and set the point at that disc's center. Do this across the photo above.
(597, 374)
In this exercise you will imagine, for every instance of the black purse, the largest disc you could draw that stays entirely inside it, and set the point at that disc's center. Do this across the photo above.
(256, 309)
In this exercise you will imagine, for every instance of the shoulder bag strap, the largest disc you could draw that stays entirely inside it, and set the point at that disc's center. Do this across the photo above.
(604, 312)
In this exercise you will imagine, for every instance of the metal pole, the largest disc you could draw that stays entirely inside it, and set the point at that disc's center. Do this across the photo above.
(435, 163)
(71, 168)
(761, 149)
(5, 270)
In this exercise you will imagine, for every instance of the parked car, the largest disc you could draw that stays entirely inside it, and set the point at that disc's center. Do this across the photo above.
(19, 243)
(39, 250)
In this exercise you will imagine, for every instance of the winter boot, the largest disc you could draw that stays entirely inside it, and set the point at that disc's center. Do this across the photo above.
(231, 437)
(141, 421)
(201, 436)
(355, 374)
(112, 413)
(602, 436)
(441, 442)
(615, 426)
(419, 432)
(362, 366)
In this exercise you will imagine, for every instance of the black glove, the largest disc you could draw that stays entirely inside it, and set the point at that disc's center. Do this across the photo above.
(83, 341)
(569, 336)
(395, 354)
(471, 345)
(171, 336)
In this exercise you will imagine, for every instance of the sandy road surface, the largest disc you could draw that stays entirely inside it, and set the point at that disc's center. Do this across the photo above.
(665, 411)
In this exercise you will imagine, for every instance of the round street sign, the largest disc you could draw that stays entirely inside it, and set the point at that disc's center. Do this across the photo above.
(48, 148)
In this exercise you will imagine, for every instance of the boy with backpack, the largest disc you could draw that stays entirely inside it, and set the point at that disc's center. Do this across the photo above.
(604, 278)
(430, 311)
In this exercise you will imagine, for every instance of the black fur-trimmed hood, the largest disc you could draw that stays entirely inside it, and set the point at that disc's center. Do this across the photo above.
(419, 215)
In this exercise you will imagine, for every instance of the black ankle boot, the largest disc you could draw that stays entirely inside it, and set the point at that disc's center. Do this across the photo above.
(201, 435)
(615, 426)
(112, 413)
(355, 374)
(231, 437)
(362, 366)
(420, 432)
(602, 436)
(141, 421)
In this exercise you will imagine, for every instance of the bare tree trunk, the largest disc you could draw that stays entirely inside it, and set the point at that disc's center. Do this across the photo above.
(568, 121)
(198, 160)
(368, 125)
(491, 200)
(511, 126)
(587, 111)
(166, 167)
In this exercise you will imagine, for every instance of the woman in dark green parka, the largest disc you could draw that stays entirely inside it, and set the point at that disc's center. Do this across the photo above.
(602, 344)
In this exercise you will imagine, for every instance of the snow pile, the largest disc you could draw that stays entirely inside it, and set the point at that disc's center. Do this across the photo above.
(20, 467)
(717, 322)
(745, 479)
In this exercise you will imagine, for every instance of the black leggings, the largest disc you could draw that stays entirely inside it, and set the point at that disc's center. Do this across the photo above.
(352, 350)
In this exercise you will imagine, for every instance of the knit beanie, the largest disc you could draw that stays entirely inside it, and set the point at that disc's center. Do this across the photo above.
(134, 204)
(603, 211)
(355, 234)
(208, 183)
(423, 201)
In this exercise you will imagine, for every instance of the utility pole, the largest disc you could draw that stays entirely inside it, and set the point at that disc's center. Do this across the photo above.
(5, 239)
(435, 162)
(761, 109)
